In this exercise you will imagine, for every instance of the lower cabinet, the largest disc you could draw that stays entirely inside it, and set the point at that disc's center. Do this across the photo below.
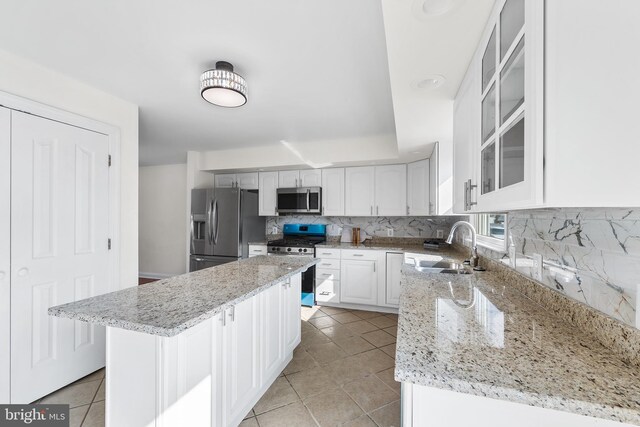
(394, 261)
(359, 281)
(257, 250)
(212, 374)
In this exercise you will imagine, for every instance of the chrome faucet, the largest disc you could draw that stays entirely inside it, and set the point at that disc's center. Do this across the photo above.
(473, 260)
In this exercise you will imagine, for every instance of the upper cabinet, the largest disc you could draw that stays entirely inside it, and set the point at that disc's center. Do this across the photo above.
(300, 178)
(333, 192)
(246, 181)
(359, 191)
(537, 121)
(418, 188)
(268, 183)
(391, 190)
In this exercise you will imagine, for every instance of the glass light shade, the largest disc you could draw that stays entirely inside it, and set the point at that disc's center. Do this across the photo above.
(223, 87)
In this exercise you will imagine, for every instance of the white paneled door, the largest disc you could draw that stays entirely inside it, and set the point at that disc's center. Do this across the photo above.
(59, 234)
(5, 251)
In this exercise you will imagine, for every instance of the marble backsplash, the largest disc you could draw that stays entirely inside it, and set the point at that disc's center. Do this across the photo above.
(373, 226)
(591, 255)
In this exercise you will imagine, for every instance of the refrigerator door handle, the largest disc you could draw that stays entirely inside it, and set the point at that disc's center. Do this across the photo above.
(217, 221)
(193, 248)
(209, 222)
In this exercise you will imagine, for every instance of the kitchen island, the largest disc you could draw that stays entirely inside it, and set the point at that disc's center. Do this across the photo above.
(198, 349)
(472, 350)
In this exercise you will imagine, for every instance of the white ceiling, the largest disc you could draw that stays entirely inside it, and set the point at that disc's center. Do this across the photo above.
(316, 70)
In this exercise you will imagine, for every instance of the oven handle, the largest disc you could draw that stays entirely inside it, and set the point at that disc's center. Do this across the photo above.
(308, 200)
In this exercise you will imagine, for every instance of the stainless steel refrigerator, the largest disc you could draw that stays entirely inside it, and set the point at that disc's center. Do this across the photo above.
(223, 222)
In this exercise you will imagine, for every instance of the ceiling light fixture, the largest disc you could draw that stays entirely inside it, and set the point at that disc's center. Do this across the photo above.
(433, 81)
(222, 87)
(425, 9)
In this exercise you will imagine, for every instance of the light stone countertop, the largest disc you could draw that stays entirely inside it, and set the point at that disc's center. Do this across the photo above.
(170, 306)
(480, 336)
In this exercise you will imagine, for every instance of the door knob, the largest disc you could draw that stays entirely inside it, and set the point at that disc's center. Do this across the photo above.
(2, 274)
(23, 272)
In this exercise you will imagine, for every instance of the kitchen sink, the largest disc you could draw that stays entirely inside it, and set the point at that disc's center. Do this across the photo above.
(442, 267)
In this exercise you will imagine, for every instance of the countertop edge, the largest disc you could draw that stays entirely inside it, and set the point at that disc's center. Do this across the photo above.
(58, 311)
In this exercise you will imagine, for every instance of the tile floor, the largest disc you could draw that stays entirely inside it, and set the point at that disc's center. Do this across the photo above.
(340, 375)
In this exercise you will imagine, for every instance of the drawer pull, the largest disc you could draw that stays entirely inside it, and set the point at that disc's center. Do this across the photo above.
(358, 254)
(326, 253)
(257, 250)
(325, 263)
(324, 293)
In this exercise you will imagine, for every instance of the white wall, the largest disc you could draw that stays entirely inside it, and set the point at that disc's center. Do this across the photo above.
(163, 197)
(29, 80)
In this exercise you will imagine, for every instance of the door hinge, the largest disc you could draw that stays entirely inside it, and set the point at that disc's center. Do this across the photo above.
(109, 159)
(109, 244)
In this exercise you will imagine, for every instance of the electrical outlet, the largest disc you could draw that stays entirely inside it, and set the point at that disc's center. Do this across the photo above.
(440, 234)
(538, 266)
(274, 230)
(389, 232)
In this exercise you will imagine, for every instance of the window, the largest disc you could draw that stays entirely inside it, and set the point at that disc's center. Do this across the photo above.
(491, 230)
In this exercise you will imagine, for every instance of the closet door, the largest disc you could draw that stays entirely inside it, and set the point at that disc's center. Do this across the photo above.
(5, 250)
(59, 253)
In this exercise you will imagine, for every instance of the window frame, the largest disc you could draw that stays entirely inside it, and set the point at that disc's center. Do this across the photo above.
(498, 245)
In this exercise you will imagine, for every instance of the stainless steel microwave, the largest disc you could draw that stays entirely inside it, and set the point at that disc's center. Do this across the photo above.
(299, 200)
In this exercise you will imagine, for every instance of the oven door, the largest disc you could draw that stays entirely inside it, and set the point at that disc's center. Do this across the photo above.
(299, 200)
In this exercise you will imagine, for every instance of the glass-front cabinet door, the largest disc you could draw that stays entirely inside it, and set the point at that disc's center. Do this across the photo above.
(510, 153)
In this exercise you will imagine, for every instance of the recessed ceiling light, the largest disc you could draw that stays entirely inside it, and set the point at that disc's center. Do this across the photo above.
(433, 81)
(222, 87)
(416, 152)
(423, 9)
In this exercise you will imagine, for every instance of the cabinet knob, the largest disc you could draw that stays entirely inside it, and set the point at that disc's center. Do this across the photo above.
(2, 274)
(23, 272)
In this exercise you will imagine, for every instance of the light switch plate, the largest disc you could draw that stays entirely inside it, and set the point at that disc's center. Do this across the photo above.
(440, 234)
(274, 230)
(389, 232)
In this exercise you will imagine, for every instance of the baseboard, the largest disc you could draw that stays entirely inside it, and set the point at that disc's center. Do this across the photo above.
(155, 275)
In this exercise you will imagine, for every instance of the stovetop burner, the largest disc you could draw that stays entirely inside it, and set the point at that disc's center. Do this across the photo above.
(299, 239)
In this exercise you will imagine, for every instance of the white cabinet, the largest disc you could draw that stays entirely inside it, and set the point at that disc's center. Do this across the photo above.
(418, 188)
(434, 172)
(5, 252)
(333, 192)
(268, 184)
(310, 178)
(391, 190)
(272, 319)
(359, 191)
(226, 180)
(394, 263)
(288, 179)
(328, 275)
(257, 250)
(359, 277)
(300, 178)
(292, 311)
(246, 181)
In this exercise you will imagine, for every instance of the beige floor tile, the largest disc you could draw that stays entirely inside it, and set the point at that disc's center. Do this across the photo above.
(383, 322)
(97, 375)
(393, 330)
(346, 370)
(95, 416)
(76, 415)
(362, 327)
(293, 415)
(353, 345)
(334, 310)
(375, 360)
(306, 326)
(74, 394)
(279, 394)
(387, 416)
(346, 318)
(364, 315)
(361, 421)
(323, 322)
(379, 338)
(370, 393)
(387, 376)
(313, 381)
(338, 331)
(392, 316)
(390, 350)
(326, 353)
(307, 313)
(100, 394)
(333, 408)
(249, 422)
(301, 361)
(251, 414)
(312, 338)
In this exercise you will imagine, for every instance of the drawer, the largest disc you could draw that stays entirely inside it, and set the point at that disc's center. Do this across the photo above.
(327, 290)
(369, 255)
(331, 264)
(328, 253)
(327, 274)
(255, 250)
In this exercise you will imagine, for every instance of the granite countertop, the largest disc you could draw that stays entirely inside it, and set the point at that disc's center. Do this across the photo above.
(170, 306)
(474, 334)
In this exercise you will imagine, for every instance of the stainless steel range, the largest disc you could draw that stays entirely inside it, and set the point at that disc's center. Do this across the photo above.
(300, 240)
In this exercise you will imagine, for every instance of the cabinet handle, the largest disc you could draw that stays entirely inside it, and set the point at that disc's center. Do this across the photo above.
(377, 210)
(296, 182)
(257, 250)
(407, 210)
(324, 293)
(325, 264)
(374, 267)
(326, 253)
(223, 318)
(233, 313)
(323, 211)
(470, 187)
(371, 210)
(358, 254)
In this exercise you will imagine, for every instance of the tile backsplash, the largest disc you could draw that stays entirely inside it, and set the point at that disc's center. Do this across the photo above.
(373, 226)
(591, 255)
